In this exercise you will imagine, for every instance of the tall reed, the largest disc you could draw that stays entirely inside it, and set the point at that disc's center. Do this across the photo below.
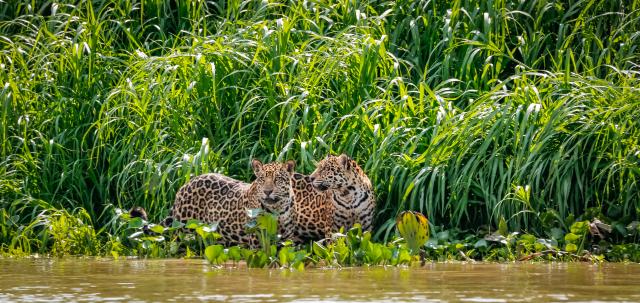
(469, 112)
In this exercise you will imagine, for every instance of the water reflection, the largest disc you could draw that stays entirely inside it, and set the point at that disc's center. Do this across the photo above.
(181, 280)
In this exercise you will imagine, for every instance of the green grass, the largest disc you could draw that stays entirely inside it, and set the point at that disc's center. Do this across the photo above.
(470, 113)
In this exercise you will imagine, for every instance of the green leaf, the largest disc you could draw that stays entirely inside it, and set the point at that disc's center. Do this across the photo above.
(404, 257)
(528, 239)
(557, 233)
(234, 253)
(258, 259)
(173, 248)
(269, 223)
(570, 247)
(568, 221)
(550, 218)
(136, 222)
(246, 253)
(414, 228)
(580, 227)
(354, 233)
(156, 228)
(192, 224)
(213, 252)
(153, 238)
(319, 250)
(298, 265)
(620, 228)
(177, 224)
(200, 231)
(374, 254)
(548, 243)
(480, 243)
(283, 255)
(443, 236)
(387, 253)
(571, 237)
(502, 227)
(366, 240)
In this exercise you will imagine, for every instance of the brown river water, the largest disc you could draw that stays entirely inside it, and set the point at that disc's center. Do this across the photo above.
(69, 280)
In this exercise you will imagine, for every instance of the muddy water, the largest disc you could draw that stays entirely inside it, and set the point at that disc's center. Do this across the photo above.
(69, 280)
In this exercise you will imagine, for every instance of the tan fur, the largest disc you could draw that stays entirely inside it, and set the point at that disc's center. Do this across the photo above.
(350, 190)
(218, 198)
(312, 211)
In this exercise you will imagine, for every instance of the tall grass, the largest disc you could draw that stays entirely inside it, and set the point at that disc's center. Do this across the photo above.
(469, 112)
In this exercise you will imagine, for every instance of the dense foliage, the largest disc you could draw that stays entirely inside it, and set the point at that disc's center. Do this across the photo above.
(472, 112)
(61, 233)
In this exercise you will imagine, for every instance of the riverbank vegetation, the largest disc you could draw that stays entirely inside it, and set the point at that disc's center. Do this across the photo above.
(514, 116)
(61, 233)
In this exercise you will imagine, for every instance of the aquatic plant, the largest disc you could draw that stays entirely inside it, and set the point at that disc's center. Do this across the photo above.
(351, 248)
(264, 225)
(575, 240)
(413, 227)
(215, 254)
(292, 258)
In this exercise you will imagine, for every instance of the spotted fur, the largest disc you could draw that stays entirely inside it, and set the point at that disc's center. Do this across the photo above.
(350, 189)
(312, 211)
(218, 198)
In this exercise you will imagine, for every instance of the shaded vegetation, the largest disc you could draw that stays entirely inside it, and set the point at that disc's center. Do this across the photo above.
(524, 114)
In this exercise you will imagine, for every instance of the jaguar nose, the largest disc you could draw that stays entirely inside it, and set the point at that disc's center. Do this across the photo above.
(268, 192)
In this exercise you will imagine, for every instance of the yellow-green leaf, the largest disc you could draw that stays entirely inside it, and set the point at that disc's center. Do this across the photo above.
(414, 228)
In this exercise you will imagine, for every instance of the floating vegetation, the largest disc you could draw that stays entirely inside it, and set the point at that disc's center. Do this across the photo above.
(411, 244)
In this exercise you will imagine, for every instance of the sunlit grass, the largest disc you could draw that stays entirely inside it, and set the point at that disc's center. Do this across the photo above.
(466, 112)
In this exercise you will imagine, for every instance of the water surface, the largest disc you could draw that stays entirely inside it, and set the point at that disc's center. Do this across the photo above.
(68, 280)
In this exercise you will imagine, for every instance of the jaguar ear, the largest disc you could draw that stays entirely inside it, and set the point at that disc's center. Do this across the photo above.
(256, 165)
(345, 161)
(290, 165)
